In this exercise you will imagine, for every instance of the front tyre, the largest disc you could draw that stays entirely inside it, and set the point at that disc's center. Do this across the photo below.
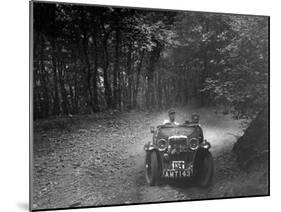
(206, 171)
(151, 168)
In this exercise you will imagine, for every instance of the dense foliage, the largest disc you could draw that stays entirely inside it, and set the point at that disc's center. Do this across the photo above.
(88, 59)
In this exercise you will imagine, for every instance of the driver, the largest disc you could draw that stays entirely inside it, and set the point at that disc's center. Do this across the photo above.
(172, 118)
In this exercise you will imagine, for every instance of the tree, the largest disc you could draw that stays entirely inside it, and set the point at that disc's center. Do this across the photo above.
(242, 81)
(88, 59)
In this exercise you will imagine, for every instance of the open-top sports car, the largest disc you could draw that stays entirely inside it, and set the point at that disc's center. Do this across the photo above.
(178, 152)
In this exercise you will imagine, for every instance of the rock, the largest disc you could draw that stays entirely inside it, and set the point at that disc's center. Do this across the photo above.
(254, 143)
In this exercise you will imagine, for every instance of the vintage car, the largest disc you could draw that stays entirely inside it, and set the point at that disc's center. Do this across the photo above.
(178, 152)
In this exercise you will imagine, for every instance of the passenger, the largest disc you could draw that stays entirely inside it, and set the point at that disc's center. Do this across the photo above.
(195, 119)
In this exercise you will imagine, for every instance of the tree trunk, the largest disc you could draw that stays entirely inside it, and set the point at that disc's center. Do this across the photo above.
(150, 97)
(88, 73)
(56, 109)
(159, 85)
(95, 74)
(76, 94)
(129, 74)
(204, 75)
(166, 91)
(107, 90)
(116, 66)
(119, 90)
(43, 79)
(72, 98)
(62, 89)
(36, 94)
(135, 95)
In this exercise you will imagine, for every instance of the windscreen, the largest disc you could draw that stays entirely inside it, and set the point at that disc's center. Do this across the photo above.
(165, 132)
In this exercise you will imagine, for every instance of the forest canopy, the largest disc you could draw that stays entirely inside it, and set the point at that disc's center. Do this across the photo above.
(88, 59)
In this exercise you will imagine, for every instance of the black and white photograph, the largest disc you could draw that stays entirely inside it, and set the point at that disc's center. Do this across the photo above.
(134, 105)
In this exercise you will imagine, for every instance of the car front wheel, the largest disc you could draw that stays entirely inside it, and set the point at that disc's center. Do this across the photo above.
(151, 168)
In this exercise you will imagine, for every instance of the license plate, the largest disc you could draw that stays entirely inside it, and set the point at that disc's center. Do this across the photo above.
(178, 169)
(177, 173)
(178, 165)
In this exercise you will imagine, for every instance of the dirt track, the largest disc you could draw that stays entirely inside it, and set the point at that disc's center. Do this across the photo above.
(100, 161)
